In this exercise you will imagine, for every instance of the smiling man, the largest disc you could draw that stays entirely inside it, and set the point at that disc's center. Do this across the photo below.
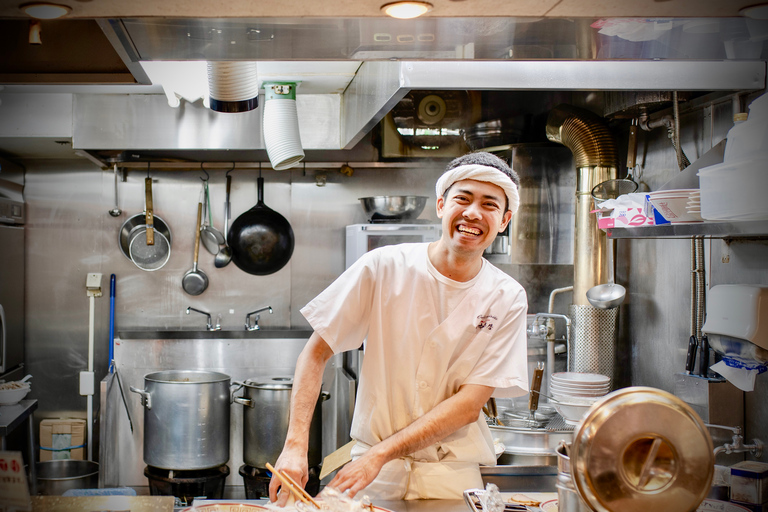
(444, 331)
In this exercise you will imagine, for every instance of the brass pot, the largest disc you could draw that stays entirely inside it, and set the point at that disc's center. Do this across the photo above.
(641, 449)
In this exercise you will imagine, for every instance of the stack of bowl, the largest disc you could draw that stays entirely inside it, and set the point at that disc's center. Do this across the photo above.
(673, 204)
(575, 393)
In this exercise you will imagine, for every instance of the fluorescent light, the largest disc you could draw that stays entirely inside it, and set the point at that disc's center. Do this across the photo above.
(43, 11)
(406, 10)
(756, 12)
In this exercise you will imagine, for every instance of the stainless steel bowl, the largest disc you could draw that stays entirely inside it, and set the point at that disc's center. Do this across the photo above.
(393, 207)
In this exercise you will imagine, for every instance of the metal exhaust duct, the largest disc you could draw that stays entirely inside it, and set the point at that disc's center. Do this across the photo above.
(596, 158)
(594, 150)
(233, 86)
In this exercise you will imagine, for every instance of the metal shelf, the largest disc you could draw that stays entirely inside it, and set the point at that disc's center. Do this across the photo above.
(744, 229)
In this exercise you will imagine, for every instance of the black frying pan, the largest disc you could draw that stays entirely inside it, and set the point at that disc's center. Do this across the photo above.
(261, 239)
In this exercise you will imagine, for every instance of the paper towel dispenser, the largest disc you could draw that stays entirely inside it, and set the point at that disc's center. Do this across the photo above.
(737, 329)
(738, 311)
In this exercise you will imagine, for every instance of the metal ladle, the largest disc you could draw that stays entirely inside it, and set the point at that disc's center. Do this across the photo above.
(211, 237)
(116, 211)
(195, 281)
(609, 295)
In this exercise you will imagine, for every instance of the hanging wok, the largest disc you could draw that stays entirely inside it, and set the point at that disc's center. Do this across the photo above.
(261, 239)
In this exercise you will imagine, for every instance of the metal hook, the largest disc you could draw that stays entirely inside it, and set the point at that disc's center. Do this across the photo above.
(230, 170)
(259, 169)
(207, 177)
(149, 164)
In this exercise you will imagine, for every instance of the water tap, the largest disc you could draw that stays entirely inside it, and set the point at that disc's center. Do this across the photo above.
(255, 326)
(209, 324)
(737, 443)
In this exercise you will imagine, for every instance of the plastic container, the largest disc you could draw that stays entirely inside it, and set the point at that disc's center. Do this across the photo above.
(749, 482)
(734, 191)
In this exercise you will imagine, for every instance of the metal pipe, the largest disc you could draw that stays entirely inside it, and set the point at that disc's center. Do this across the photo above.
(551, 307)
(596, 157)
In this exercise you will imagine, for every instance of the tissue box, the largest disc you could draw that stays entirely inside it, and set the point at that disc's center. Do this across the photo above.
(749, 482)
(623, 218)
(62, 433)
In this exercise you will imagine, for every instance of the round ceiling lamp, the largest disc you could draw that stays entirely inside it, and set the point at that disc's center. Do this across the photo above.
(406, 10)
(756, 12)
(45, 11)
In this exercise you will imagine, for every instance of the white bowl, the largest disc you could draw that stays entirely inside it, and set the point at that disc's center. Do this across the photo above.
(581, 378)
(576, 391)
(573, 385)
(673, 209)
(572, 413)
(14, 396)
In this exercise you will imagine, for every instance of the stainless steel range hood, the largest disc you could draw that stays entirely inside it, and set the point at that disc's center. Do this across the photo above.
(389, 59)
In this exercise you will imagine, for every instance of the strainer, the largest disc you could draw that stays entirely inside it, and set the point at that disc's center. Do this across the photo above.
(611, 189)
(150, 257)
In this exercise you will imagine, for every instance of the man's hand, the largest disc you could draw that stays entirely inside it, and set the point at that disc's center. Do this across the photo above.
(357, 474)
(294, 465)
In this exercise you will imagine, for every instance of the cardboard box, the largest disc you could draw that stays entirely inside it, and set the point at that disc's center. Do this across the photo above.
(63, 433)
(623, 218)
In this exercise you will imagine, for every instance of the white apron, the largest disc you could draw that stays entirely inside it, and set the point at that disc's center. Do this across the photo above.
(406, 479)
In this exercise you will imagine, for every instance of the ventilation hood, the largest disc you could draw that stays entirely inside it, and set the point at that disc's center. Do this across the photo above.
(352, 71)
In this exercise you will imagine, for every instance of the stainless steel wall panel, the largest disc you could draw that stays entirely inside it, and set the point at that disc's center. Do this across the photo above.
(584, 75)
(376, 88)
(124, 122)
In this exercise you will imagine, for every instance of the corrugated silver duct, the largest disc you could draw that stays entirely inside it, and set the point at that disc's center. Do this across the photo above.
(594, 150)
(596, 158)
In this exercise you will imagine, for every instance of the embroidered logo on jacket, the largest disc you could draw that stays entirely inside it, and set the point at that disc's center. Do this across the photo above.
(485, 322)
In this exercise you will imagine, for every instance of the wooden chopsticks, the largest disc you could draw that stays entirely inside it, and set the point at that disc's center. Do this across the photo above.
(292, 486)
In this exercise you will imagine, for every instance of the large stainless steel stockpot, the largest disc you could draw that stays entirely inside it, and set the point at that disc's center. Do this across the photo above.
(267, 402)
(186, 419)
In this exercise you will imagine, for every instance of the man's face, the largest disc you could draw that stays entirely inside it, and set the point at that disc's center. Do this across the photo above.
(472, 215)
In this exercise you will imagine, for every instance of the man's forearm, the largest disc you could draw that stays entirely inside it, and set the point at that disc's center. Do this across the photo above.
(307, 382)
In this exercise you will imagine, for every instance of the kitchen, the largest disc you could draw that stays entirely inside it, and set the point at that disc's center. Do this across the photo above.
(69, 232)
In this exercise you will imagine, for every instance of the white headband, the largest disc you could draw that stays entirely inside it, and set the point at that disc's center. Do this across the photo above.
(480, 173)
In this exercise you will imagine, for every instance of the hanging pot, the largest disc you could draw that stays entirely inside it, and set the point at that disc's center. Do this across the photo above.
(261, 239)
(144, 238)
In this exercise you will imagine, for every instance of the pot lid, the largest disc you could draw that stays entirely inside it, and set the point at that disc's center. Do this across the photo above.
(270, 382)
(641, 449)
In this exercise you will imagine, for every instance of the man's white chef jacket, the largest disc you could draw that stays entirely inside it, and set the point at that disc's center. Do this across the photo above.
(412, 362)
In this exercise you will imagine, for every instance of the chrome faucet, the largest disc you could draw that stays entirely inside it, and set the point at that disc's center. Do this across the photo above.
(209, 325)
(737, 445)
(255, 326)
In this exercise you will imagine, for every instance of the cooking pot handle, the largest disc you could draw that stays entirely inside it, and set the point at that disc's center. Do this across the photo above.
(234, 388)
(243, 401)
(146, 398)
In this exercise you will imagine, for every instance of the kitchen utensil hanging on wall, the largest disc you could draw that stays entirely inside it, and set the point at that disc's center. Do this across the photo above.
(261, 239)
(209, 235)
(224, 256)
(149, 250)
(195, 281)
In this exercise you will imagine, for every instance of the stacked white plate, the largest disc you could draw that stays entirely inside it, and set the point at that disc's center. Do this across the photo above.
(673, 204)
(575, 393)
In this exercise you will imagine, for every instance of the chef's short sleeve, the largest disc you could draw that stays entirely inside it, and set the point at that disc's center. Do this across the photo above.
(341, 313)
(504, 362)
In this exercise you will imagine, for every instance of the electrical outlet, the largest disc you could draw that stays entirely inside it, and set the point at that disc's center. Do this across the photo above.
(93, 281)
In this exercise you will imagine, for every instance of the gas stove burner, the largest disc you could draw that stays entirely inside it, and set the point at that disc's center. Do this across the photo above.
(256, 481)
(187, 485)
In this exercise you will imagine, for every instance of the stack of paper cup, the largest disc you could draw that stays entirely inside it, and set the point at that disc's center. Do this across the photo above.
(281, 133)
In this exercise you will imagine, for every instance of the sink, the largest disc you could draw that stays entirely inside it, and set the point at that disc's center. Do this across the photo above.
(214, 335)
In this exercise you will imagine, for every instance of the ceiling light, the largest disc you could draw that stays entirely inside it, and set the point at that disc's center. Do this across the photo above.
(756, 12)
(43, 11)
(406, 10)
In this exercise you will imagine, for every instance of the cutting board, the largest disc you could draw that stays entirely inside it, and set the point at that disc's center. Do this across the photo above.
(102, 503)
